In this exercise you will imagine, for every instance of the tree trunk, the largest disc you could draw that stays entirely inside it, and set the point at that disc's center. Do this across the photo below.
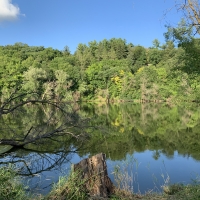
(94, 171)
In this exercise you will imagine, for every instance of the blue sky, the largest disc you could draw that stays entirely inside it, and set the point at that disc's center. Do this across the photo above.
(57, 23)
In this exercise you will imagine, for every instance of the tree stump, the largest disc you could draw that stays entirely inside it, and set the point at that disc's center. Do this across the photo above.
(94, 172)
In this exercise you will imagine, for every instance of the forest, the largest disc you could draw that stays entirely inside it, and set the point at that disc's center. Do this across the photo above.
(108, 70)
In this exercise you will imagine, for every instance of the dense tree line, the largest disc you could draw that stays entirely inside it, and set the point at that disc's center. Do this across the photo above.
(106, 70)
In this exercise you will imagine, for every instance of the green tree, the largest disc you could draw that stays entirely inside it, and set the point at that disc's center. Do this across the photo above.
(82, 54)
(62, 86)
(33, 80)
(137, 57)
(154, 56)
(119, 47)
(156, 44)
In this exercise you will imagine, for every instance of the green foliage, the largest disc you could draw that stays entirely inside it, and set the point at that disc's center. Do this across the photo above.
(107, 70)
(107, 75)
(137, 57)
(156, 44)
(62, 85)
(10, 185)
(154, 56)
(181, 34)
(33, 79)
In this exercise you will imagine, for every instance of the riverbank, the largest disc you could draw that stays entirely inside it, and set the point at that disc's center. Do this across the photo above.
(102, 100)
(69, 187)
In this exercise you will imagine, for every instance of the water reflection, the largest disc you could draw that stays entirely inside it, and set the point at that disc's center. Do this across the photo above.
(159, 141)
(129, 128)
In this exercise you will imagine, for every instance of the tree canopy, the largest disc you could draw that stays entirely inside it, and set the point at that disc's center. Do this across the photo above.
(107, 70)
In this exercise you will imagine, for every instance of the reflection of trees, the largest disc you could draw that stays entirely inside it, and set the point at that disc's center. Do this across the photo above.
(161, 128)
(35, 122)
(120, 130)
(33, 163)
(38, 134)
(34, 166)
(156, 154)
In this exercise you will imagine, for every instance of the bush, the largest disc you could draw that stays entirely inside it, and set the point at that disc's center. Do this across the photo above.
(10, 185)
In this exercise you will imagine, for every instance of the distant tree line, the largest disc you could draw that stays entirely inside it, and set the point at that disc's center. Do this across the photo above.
(108, 70)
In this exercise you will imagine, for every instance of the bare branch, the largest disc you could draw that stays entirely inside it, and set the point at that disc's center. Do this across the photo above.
(191, 12)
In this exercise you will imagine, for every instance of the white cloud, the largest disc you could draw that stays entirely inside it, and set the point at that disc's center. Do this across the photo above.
(8, 11)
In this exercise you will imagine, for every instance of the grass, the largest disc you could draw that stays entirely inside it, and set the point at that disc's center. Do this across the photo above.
(174, 192)
(68, 187)
(183, 192)
(11, 187)
(72, 188)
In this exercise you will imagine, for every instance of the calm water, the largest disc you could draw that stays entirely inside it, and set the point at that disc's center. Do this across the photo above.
(155, 144)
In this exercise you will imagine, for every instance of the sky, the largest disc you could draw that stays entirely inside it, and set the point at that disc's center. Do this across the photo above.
(60, 23)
